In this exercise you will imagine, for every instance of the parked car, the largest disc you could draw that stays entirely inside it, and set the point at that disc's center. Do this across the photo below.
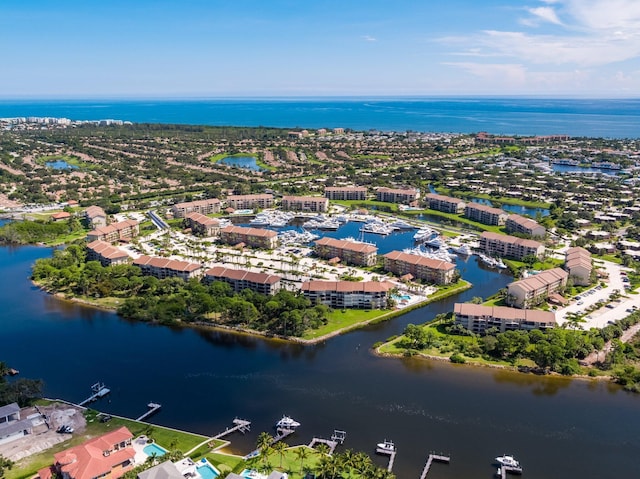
(105, 418)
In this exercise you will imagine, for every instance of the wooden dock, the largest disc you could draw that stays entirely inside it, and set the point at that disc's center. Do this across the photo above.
(238, 425)
(390, 453)
(318, 440)
(433, 457)
(281, 434)
(504, 470)
(99, 391)
(153, 408)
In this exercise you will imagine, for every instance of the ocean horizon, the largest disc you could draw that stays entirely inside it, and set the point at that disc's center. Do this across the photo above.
(508, 115)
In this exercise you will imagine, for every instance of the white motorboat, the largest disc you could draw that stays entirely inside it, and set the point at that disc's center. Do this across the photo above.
(463, 250)
(423, 234)
(386, 446)
(435, 242)
(287, 423)
(508, 461)
(402, 225)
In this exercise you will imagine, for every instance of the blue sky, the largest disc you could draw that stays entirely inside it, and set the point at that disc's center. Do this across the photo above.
(215, 48)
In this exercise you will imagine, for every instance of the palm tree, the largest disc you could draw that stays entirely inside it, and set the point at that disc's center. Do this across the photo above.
(322, 449)
(348, 459)
(301, 454)
(362, 463)
(329, 468)
(280, 448)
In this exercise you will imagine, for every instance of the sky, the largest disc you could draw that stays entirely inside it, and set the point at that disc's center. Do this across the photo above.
(275, 48)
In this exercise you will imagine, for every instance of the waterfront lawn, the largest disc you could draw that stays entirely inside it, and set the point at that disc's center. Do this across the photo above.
(368, 204)
(547, 263)
(339, 319)
(456, 219)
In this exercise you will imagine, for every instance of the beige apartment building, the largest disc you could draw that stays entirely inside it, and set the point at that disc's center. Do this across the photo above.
(204, 207)
(495, 244)
(348, 294)
(350, 252)
(252, 237)
(419, 267)
(478, 318)
(346, 193)
(533, 290)
(313, 204)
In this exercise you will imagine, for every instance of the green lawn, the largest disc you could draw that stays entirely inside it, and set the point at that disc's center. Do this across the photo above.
(339, 319)
(457, 219)
(368, 204)
(70, 160)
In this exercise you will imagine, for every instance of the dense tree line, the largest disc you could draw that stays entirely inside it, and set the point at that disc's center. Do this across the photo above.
(558, 350)
(30, 232)
(22, 391)
(172, 300)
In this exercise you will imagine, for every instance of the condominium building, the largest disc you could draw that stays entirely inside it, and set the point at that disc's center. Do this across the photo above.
(535, 289)
(578, 264)
(315, 204)
(348, 294)
(350, 252)
(246, 202)
(252, 237)
(106, 254)
(167, 268)
(240, 279)
(204, 207)
(121, 231)
(495, 244)
(446, 204)
(394, 195)
(526, 226)
(202, 225)
(346, 192)
(419, 267)
(95, 216)
(478, 318)
(485, 214)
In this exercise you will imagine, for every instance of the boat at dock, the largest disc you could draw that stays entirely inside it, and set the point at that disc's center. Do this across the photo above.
(287, 423)
(386, 446)
(462, 250)
(402, 225)
(423, 234)
(506, 460)
(492, 262)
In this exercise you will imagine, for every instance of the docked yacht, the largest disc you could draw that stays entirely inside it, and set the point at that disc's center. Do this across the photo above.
(423, 234)
(435, 242)
(386, 446)
(287, 423)
(463, 250)
(402, 225)
(508, 461)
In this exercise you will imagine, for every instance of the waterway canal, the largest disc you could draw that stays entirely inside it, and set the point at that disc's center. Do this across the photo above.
(556, 427)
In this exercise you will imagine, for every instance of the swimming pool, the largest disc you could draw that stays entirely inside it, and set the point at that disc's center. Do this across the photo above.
(151, 449)
(207, 471)
(401, 296)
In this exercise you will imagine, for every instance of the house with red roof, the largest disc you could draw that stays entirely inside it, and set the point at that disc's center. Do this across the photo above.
(105, 457)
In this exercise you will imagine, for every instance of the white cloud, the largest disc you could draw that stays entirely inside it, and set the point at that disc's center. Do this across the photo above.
(369, 38)
(547, 14)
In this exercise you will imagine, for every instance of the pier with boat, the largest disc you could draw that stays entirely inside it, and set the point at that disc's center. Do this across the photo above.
(99, 391)
(387, 448)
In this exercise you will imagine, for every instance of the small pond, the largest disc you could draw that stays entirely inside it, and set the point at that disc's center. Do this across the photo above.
(60, 165)
(247, 162)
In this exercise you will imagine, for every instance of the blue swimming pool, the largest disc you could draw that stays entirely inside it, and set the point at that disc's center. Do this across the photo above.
(207, 471)
(401, 296)
(151, 449)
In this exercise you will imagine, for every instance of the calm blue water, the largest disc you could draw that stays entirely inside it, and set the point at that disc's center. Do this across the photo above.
(518, 209)
(584, 170)
(575, 117)
(247, 162)
(60, 165)
(207, 472)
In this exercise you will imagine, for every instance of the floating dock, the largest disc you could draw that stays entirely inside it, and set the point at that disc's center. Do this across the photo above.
(433, 457)
(153, 408)
(99, 391)
(388, 452)
(504, 470)
(318, 440)
(238, 425)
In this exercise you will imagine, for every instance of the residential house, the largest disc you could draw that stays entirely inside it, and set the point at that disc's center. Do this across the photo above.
(204, 207)
(485, 214)
(445, 204)
(348, 294)
(120, 231)
(533, 290)
(395, 195)
(247, 202)
(202, 225)
(346, 193)
(252, 237)
(478, 318)
(526, 226)
(11, 426)
(95, 217)
(240, 279)
(350, 252)
(432, 270)
(105, 457)
(578, 263)
(167, 268)
(314, 204)
(495, 244)
(106, 254)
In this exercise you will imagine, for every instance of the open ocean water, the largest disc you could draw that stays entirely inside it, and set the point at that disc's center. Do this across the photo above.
(613, 118)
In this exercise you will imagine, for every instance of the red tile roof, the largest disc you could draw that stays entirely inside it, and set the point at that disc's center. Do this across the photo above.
(248, 231)
(347, 286)
(242, 275)
(106, 250)
(202, 219)
(347, 245)
(420, 260)
(88, 460)
(164, 263)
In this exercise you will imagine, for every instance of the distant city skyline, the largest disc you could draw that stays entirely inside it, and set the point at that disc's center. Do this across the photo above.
(285, 48)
